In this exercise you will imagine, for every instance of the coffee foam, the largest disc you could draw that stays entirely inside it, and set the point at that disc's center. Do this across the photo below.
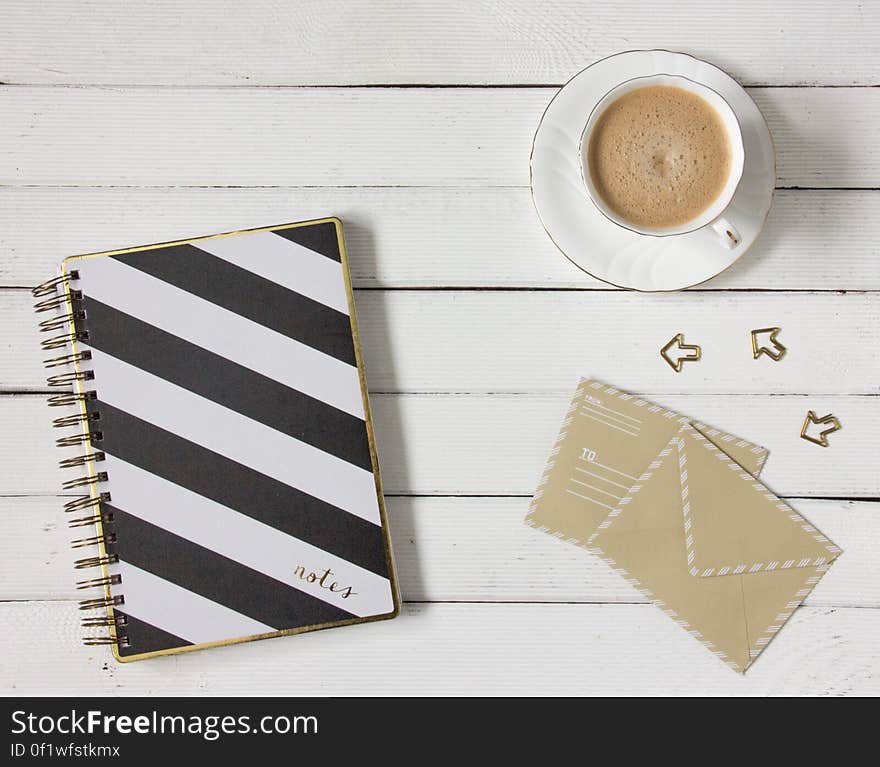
(659, 156)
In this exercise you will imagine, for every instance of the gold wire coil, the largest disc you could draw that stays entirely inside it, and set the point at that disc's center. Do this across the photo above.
(57, 323)
(56, 302)
(81, 543)
(87, 562)
(91, 583)
(97, 621)
(86, 502)
(90, 479)
(70, 398)
(119, 639)
(103, 518)
(72, 440)
(59, 342)
(101, 640)
(96, 602)
(50, 286)
(81, 460)
(73, 420)
(81, 502)
(67, 359)
(65, 379)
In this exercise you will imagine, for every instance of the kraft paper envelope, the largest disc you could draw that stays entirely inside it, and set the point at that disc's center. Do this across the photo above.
(675, 507)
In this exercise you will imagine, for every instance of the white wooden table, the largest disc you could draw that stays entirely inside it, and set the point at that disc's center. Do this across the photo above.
(132, 123)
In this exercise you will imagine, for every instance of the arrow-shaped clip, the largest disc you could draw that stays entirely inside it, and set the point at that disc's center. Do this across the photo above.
(776, 353)
(812, 419)
(678, 340)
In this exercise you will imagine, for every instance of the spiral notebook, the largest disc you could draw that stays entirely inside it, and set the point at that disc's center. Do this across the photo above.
(229, 479)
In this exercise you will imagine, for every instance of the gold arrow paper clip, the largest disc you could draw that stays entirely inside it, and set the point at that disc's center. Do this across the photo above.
(772, 348)
(813, 420)
(679, 360)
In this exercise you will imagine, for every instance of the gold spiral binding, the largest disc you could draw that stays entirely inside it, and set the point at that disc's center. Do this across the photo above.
(74, 420)
(67, 359)
(81, 460)
(60, 298)
(57, 323)
(56, 302)
(60, 342)
(94, 520)
(72, 440)
(65, 379)
(88, 562)
(86, 481)
(86, 502)
(95, 540)
(51, 286)
(106, 580)
(96, 602)
(103, 640)
(70, 398)
(118, 620)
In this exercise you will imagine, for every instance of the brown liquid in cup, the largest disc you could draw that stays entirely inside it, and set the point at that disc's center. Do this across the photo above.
(659, 156)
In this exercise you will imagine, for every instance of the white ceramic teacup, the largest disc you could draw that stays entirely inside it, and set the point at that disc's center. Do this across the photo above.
(714, 215)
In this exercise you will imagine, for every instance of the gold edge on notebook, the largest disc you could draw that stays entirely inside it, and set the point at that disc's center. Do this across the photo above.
(202, 238)
(368, 416)
(349, 293)
(251, 638)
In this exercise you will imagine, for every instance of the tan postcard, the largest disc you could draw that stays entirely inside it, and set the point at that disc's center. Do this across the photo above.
(675, 507)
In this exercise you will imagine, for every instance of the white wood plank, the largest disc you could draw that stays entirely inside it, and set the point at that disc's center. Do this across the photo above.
(473, 341)
(31, 458)
(463, 649)
(456, 549)
(20, 342)
(423, 237)
(478, 549)
(318, 42)
(825, 137)
(498, 444)
(498, 341)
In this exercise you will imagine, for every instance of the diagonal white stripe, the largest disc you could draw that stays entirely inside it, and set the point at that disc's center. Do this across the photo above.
(610, 425)
(171, 608)
(235, 436)
(223, 332)
(633, 426)
(592, 403)
(598, 489)
(603, 466)
(592, 500)
(287, 263)
(244, 540)
(604, 479)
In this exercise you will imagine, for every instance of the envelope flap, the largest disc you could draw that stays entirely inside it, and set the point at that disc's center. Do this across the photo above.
(733, 524)
(748, 455)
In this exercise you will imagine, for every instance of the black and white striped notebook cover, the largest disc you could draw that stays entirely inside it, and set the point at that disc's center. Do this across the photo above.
(231, 469)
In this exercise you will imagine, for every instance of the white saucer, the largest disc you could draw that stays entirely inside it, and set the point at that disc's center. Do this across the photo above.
(610, 252)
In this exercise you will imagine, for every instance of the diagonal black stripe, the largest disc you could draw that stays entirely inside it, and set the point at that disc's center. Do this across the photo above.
(227, 383)
(213, 576)
(318, 237)
(239, 487)
(144, 637)
(238, 290)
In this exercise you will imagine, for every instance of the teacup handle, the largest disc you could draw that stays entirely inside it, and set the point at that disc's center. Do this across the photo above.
(726, 232)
